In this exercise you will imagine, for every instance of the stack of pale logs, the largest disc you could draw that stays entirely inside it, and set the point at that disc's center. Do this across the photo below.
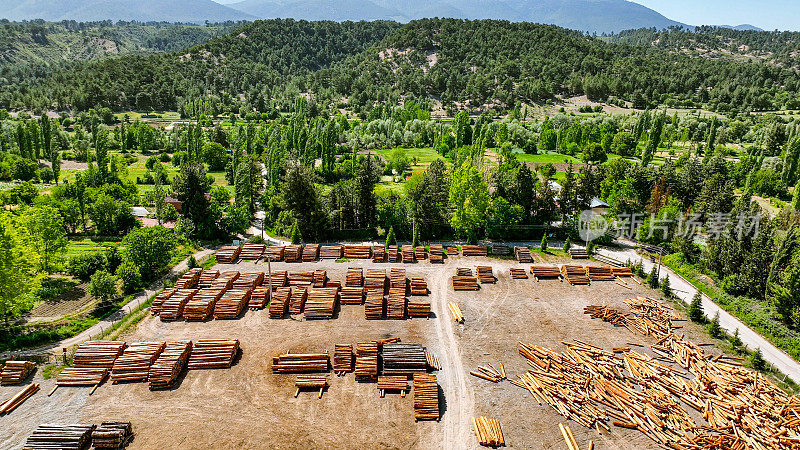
(279, 305)
(358, 251)
(396, 303)
(351, 296)
(488, 431)
(600, 273)
(112, 435)
(248, 281)
(419, 308)
(169, 365)
(50, 436)
(452, 251)
(207, 278)
(378, 253)
(419, 253)
(393, 383)
(321, 303)
(474, 250)
(545, 272)
(397, 277)
(354, 277)
(172, 308)
(252, 252)
(259, 298)
(578, 253)
(419, 286)
(375, 279)
(436, 253)
(228, 254)
(310, 382)
(298, 300)
(393, 254)
(92, 362)
(622, 271)
(465, 283)
(455, 311)
(330, 252)
(213, 354)
(343, 358)
(15, 372)
(293, 253)
(373, 306)
(523, 255)
(155, 307)
(408, 253)
(189, 279)
(300, 363)
(276, 279)
(366, 361)
(574, 274)
(319, 278)
(231, 304)
(518, 274)
(426, 397)
(201, 306)
(300, 278)
(488, 372)
(311, 252)
(134, 363)
(485, 274)
(274, 253)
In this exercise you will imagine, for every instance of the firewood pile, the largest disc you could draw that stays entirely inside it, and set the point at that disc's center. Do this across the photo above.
(248, 281)
(436, 253)
(51, 436)
(490, 373)
(403, 359)
(622, 271)
(310, 252)
(19, 398)
(600, 273)
(373, 305)
(112, 435)
(518, 274)
(169, 365)
(397, 277)
(320, 278)
(489, 432)
(474, 250)
(297, 301)
(259, 298)
(366, 361)
(213, 354)
(523, 255)
(465, 283)
(464, 271)
(352, 296)
(426, 397)
(189, 279)
(501, 250)
(276, 280)
(300, 278)
(81, 376)
(354, 277)
(231, 304)
(343, 358)
(378, 253)
(310, 382)
(155, 307)
(452, 251)
(419, 286)
(358, 251)
(578, 253)
(420, 253)
(98, 354)
(15, 372)
(407, 253)
(396, 303)
(274, 253)
(293, 253)
(545, 272)
(375, 280)
(207, 278)
(228, 254)
(321, 303)
(300, 363)
(574, 274)
(455, 311)
(279, 305)
(134, 363)
(485, 274)
(252, 252)
(330, 252)
(393, 254)
(419, 308)
(393, 383)
(172, 308)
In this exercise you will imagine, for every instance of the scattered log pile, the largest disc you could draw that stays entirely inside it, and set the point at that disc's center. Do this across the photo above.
(489, 432)
(169, 365)
(373, 306)
(343, 358)
(393, 254)
(452, 251)
(189, 279)
(488, 372)
(112, 435)
(474, 250)
(523, 255)
(300, 278)
(501, 250)
(207, 278)
(545, 272)
(465, 283)
(407, 252)
(419, 308)
(436, 253)
(162, 296)
(228, 254)
(213, 354)
(419, 286)
(310, 252)
(330, 252)
(310, 382)
(574, 274)
(622, 271)
(15, 372)
(300, 363)
(420, 253)
(397, 277)
(274, 253)
(293, 253)
(366, 361)
(518, 274)
(352, 296)
(18, 399)
(134, 363)
(50, 436)
(298, 300)
(354, 277)
(426, 397)
(98, 354)
(248, 281)
(378, 253)
(485, 274)
(201, 306)
(276, 280)
(455, 311)
(252, 252)
(319, 278)
(403, 359)
(578, 253)
(172, 308)
(600, 273)
(259, 298)
(375, 280)
(396, 303)
(321, 303)
(279, 305)
(358, 251)
(231, 304)
(393, 383)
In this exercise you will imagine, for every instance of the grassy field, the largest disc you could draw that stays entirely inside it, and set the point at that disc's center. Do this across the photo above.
(79, 246)
(548, 157)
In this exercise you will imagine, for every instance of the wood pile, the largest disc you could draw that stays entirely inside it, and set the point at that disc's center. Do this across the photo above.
(310, 252)
(279, 305)
(574, 274)
(419, 308)
(403, 359)
(310, 382)
(274, 253)
(334, 284)
(578, 253)
(419, 286)
(366, 361)
(172, 308)
(474, 250)
(231, 304)
(293, 253)
(201, 306)
(259, 298)
(224, 281)
(15, 372)
(352, 296)
(207, 278)
(545, 272)
(396, 303)
(600, 273)
(330, 252)
(300, 363)
(452, 251)
(354, 277)
(393, 254)
(465, 283)
(393, 383)
(488, 432)
(276, 280)
(168, 366)
(407, 253)
(420, 253)
(228, 254)
(18, 399)
(485, 274)
(501, 250)
(358, 251)
(464, 271)
(343, 358)
(426, 397)
(375, 280)
(300, 278)
(248, 281)
(189, 279)
(112, 435)
(252, 252)
(523, 255)
(155, 307)
(397, 277)
(66, 437)
(378, 253)
(373, 305)
(622, 271)
(81, 376)
(518, 274)
(455, 311)
(213, 354)
(134, 363)
(319, 278)
(490, 373)
(321, 303)
(297, 301)
(98, 354)
(436, 253)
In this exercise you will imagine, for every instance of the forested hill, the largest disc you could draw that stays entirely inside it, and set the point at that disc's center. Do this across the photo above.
(462, 63)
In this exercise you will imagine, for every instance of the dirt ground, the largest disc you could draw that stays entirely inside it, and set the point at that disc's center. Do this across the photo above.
(249, 407)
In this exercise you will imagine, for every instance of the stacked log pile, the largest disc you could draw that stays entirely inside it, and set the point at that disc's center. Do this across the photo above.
(134, 363)
(474, 250)
(403, 359)
(279, 305)
(252, 252)
(343, 358)
(213, 354)
(172, 308)
(358, 251)
(81, 376)
(578, 253)
(419, 253)
(169, 365)
(366, 361)
(419, 308)
(225, 280)
(622, 271)
(330, 252)
(436, 254)
(310, 382)
(201, 306)
(155, 307)
(419, 286)
(300, 363)
(15, 372)
(276, 280)
(393, 254)
(465, 283)
(231, 304)
(518, 274)
(574, 274)
(310, 252)
(373, 306)
(321, 303)
(393, 383)
(293, 253)
(464, 271)
(455, 311)
(274, 253)
(298, 300)
(98, 354)
(112, 435)
(485, 274)
(523, 255)
(501, 250)
(207, 278)
(259, 298)
(352, 296)
(452, 251)
(354, 277)
(426, 397)
(600, 273)
(189, 279)
(407, 252)
(488, 432)
(545, 272)
(375, 280)
(397, 277)
(248, 281)
(228, 254)
(300, 278)
(319, 279)
(378, 253)
(51, 436)
(396, 303)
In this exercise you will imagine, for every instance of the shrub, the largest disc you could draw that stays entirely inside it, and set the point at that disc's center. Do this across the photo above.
(714, 329)
(666, 291)
(150, 249)
(103, 286)
(85, 265)
(390, 238)
(543, 245)
(129, 274)
(735, 340)
(652, 278)
(757, 361)
(296, 237)
(695, 310)
(567, 245)
(192, 263)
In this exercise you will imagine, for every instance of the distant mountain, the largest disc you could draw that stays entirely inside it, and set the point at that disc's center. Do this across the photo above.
(744, 27)
(194, 11)
(584, 15)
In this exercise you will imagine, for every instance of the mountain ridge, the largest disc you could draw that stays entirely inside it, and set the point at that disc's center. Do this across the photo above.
(185, 11)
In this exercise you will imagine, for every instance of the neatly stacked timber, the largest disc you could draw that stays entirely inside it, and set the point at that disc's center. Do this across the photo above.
(600, 273)
(231, 304)
(15, 372)
(452, 251)
(293, 253)
(393, 383)
(321, 303)
(366, 361)
(172, 308)
(408, 253)
(436, 253)
(465, 283)
(310, 382)
(419, 308)
(169, 365)
(319, 278)
(96, 354)
(419, 253)
(485, 274)
(248, 281)
(455, 311)
(419, 286)
(66, 437)
(523, 255)
(162, 296)
(578, 253)
(207, 278)
(300, 278)
(518, 274)
(259, 298)
(112, 435)
(403, 359)
(225, 280)
(134, 364)
(396, 303)
(393, 254)
(19, 398)
(358, 251)
(426, 397)
(622, 271)
(228, 254)
(574, 274)
(343, 358)
(355, 277)
(545, 272)
(276, 280)
(464, 271)
(378, 253)
(81, 376)
(274, 253)
(501, 250)
(300, 363)
(213, 354)
(252, 252)
(373, 306)
(310, 252)
(397, 277)
(474, 250)
(352, 296)
(375, 280)
(279, 305)
(298, 300)
(189, 279)
(488, 432)
(330, 252)
(201, 306)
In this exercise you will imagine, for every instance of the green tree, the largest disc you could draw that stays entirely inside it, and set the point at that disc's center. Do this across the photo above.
(757, 361)
(190, 186)
(714, 329)
(215, 156)
(469, 198)
(46, 227)
(129, 275)
(18, 275)
(110, 216)
(652, 278)
(543, 244)
(390, 238)
(567, 244)
(150, 249)
(103, 286)
(623, 144)
(695, 309)
(735, 340)
(297, 238)
(666, 290)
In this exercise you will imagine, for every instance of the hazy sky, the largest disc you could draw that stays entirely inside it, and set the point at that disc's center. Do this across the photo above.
(766, 14)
